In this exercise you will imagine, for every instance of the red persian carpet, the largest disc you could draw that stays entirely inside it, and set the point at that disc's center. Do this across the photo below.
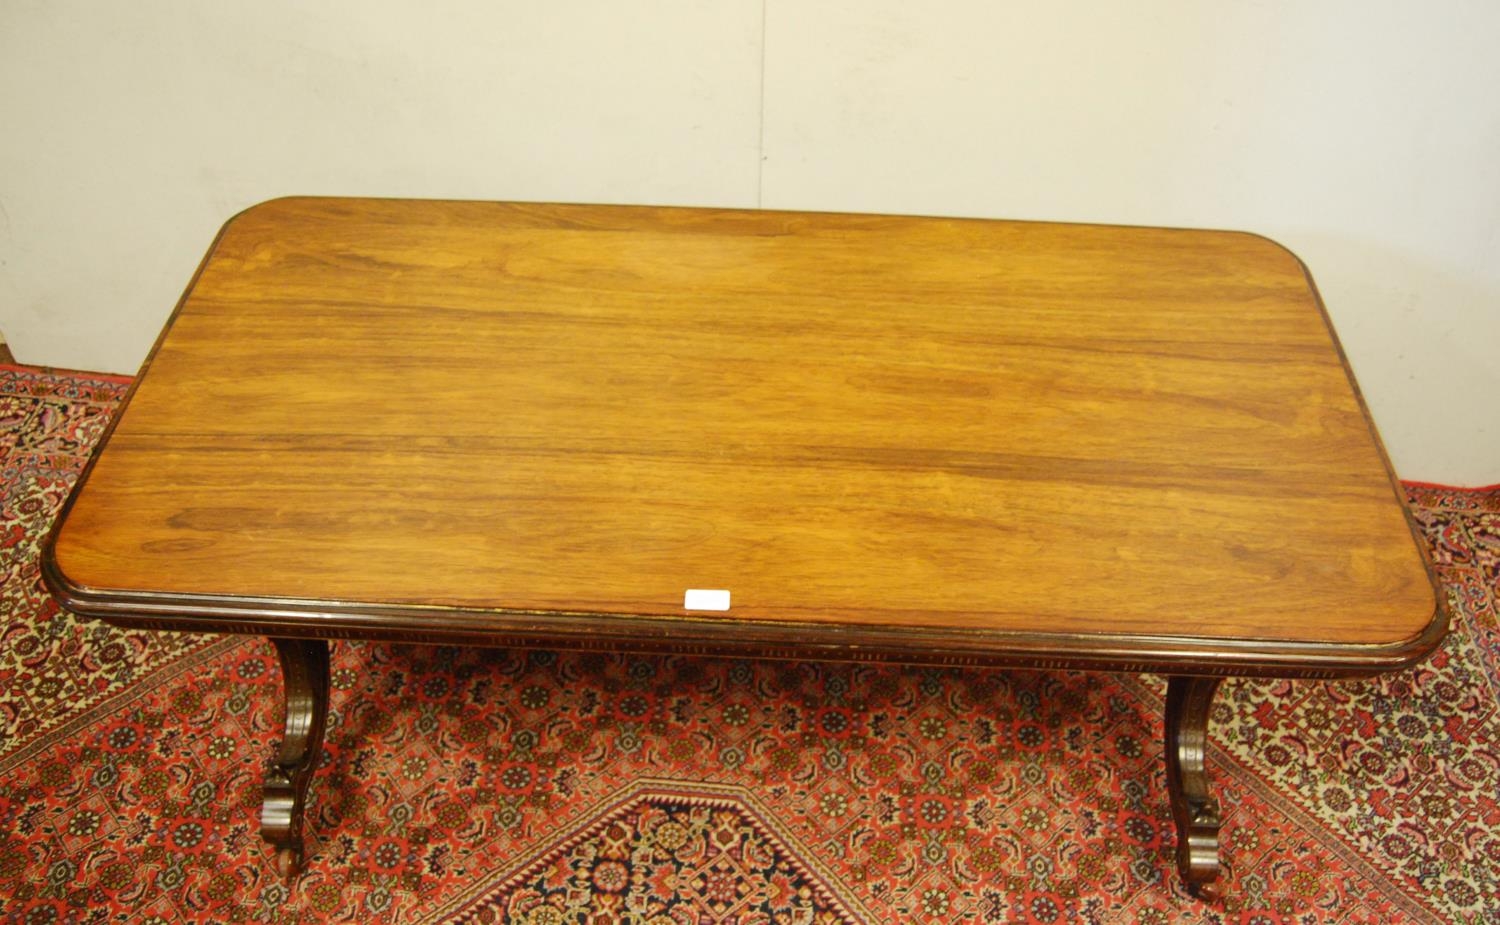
(535, 787)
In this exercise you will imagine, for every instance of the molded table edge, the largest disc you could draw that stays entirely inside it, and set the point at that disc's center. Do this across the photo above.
(689, 634)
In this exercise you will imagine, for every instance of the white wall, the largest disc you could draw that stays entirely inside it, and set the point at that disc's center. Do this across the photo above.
(1364, 135)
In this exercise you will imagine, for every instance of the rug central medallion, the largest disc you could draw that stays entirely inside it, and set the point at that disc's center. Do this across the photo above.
(669, 853)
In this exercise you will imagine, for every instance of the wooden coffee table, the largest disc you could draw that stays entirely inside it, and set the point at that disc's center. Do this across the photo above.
(778, 434)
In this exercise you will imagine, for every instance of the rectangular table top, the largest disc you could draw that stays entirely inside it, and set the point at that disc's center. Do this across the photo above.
(874, 433)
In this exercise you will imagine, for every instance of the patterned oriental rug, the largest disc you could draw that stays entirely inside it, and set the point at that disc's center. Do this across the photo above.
(485, 786)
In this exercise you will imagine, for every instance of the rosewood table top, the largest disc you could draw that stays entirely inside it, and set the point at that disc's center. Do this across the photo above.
(793, 434)
(951, 436)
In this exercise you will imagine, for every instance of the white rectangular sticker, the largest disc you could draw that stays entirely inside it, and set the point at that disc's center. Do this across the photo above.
(705, 599)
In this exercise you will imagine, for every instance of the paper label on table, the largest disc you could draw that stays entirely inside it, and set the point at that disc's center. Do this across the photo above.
(705, 599)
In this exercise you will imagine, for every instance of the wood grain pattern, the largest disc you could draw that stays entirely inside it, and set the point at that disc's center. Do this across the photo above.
(847, 421)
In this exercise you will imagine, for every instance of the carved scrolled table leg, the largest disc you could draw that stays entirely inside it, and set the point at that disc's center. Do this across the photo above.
(1194, 809)
(304, 673)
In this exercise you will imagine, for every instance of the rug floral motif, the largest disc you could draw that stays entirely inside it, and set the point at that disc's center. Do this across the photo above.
(468, 785)
(49, 661)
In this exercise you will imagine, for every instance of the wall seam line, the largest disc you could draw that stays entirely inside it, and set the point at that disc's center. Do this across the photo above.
(760, 150)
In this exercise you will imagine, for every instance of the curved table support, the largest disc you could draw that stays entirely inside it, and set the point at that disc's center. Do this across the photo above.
(304, 674)
(1194, 809)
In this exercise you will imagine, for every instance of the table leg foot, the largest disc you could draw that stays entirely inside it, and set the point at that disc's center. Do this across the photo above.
(304, 674)
(288, 863)
(1194, 809)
